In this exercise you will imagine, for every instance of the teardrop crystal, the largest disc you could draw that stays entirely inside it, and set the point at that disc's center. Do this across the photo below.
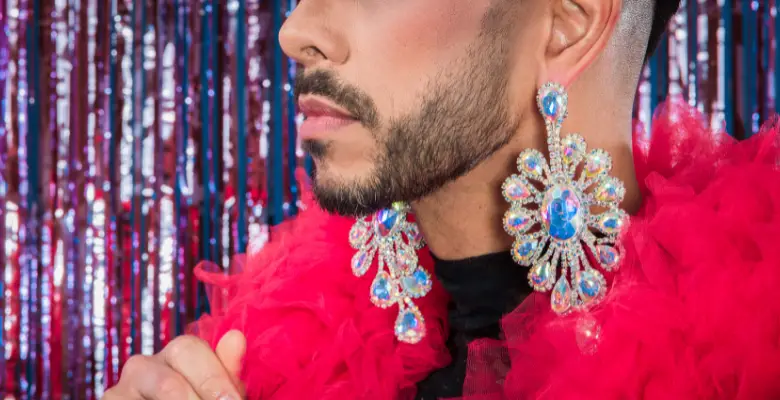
(383, 290)
(524, 249)
(361, 261)
(610, 190)
(597, 163)
(531, 162)
(384, 221)
(359, 234)
(552, 102)
(410, 326)
(516, 221)
(560, 300)
(609, 257)
(591, 287)
(573, 149)
(515, 189)
(542, 276)
(413, 235)
(611, 222)
(418, 284)
(588, 334)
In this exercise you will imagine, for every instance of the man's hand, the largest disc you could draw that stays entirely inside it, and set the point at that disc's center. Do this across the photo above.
(186, 369)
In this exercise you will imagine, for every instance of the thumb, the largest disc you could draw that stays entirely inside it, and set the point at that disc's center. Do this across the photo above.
(230, 350)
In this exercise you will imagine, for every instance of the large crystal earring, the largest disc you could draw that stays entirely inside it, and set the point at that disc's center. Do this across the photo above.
(565, 218)
(391, 237)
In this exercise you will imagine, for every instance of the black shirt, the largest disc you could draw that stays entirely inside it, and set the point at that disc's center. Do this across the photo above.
(482, 290)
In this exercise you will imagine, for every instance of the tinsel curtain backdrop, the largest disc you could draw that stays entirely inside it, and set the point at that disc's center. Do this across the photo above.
(139, 137)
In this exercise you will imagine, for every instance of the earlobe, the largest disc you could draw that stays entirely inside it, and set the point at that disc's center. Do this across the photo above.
(579, 32)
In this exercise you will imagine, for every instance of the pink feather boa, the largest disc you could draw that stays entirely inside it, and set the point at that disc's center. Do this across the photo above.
(312, 332)
(691, 314)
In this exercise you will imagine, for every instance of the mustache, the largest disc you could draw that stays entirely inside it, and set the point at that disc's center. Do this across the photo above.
(325, 84)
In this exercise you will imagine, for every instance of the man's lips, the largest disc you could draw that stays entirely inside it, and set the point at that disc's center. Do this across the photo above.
(322, 117)
(313, 106)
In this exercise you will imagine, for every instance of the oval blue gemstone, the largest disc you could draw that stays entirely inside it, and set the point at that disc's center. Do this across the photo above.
(550, 104)
(562, 213)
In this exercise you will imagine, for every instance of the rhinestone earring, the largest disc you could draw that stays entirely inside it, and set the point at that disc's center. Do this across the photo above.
(574, 211)
(394, 240)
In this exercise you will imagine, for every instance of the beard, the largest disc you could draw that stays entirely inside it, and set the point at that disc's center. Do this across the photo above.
(461, 121)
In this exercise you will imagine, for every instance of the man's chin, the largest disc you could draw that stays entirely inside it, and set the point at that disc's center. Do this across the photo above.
(346, 201)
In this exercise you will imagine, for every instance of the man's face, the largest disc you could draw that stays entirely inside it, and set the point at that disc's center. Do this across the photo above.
(400, 96)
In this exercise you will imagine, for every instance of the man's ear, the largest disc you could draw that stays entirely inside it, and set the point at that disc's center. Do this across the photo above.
(579, 32)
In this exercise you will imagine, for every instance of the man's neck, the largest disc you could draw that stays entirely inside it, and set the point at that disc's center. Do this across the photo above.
(464, 218)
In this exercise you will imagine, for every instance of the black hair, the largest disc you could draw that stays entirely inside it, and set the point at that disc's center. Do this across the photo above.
(664, 11)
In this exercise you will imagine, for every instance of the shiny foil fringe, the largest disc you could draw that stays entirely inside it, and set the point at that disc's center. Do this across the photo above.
(139, 137)
(136, 140)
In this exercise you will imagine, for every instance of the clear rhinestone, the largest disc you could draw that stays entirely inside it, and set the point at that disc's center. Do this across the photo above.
(406, 260)
(588, 334)
(413, 235)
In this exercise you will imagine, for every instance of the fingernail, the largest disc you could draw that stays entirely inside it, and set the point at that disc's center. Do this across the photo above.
(227, 397)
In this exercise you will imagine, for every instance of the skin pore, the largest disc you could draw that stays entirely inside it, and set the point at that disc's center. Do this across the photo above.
(443, 94)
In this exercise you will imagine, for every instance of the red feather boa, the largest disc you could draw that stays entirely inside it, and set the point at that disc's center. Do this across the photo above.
(692, 312)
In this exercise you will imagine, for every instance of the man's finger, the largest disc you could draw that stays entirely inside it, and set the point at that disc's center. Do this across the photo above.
(197, 363)
(230, 351)
(144, 378)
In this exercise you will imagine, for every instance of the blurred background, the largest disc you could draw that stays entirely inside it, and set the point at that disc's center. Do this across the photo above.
(139, 137)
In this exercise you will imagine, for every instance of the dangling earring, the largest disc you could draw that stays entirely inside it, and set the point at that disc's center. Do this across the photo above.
(399, 278)
(562, 199)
